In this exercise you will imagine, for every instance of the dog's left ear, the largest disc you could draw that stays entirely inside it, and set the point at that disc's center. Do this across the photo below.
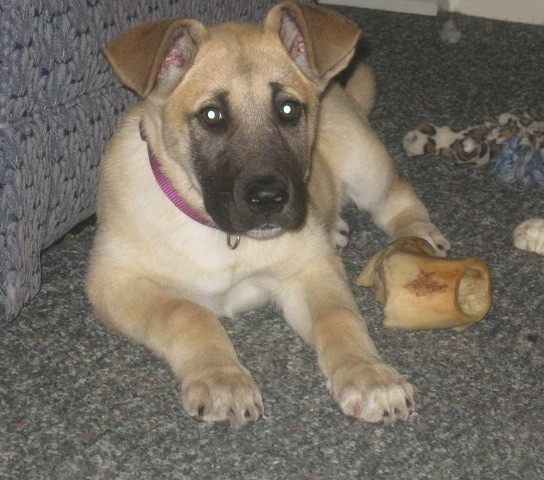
(320, 41)
(156, 53)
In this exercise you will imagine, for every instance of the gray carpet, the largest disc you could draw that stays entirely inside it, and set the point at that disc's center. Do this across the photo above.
(78, 401)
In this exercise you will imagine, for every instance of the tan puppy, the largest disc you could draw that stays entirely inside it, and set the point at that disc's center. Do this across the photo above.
(240, 128)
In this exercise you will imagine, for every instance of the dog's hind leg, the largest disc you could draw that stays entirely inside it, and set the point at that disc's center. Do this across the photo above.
(363, 167)
(215, 386)
(340, 233)
(400, 213)
(368, 175)
(396, 209)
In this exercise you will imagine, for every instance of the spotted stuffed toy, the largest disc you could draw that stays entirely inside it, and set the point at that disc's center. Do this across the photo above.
(512, 144)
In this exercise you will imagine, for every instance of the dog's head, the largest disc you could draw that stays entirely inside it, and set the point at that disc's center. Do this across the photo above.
(239, 105)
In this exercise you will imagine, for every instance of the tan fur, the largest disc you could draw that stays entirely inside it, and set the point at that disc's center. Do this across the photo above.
(162, 279)
(361, 86)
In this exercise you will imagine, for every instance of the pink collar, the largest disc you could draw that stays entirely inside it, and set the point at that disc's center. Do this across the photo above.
(173, 195)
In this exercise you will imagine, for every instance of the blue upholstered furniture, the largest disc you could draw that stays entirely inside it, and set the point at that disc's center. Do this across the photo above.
(59, 104)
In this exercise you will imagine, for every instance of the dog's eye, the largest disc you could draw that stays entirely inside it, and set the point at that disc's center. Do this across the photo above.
(212, 117)
(289, 111)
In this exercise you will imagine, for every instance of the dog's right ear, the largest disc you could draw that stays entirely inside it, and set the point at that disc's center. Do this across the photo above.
(155, 53)
(320, 41)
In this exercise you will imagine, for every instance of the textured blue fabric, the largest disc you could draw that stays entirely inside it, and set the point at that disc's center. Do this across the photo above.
(520, 163)
(59, 104)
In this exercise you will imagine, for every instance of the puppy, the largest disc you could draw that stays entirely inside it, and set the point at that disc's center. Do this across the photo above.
(221, 190)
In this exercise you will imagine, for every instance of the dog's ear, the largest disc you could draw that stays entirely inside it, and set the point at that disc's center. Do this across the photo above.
(320, 41)
(158, 52)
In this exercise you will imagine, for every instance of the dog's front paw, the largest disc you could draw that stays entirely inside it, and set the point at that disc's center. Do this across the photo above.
(427, 231)
(529, 235)
(374, 392)
(223, 393)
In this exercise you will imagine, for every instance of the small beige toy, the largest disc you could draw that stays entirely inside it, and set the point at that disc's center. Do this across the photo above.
(420, 290)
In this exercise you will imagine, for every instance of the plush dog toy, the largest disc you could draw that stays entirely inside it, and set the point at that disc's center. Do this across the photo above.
(513, 143)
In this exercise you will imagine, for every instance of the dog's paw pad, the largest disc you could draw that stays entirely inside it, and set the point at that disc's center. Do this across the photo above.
(374, 393)
(429, 232)
(226, 393)
(529, 235)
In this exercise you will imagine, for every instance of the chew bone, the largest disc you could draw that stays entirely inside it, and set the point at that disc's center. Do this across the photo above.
(420, 290)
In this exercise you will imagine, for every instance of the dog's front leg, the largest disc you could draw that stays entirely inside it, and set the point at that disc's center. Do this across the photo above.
(215, 386)
(320, 306)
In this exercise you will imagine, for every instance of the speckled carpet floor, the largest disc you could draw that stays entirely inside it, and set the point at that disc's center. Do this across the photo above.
(77, 401)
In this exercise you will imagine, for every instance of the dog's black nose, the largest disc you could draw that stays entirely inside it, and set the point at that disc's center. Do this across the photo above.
(266, 196)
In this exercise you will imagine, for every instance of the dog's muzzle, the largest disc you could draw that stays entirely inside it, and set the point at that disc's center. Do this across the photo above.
(257, 192)
(266, 196)
(262, 206)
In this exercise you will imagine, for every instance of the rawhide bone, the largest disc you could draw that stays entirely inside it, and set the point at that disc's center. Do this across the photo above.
(420, 290)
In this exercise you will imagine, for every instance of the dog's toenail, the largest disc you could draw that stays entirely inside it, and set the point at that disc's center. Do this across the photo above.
(408, 403)
(247, 414)
(201, 411)
(357, 410)
(385, 413)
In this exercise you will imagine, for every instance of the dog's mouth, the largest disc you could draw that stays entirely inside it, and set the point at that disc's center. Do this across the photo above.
(265, 232)
(258, 193)
(255, 226)
(258, 209)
